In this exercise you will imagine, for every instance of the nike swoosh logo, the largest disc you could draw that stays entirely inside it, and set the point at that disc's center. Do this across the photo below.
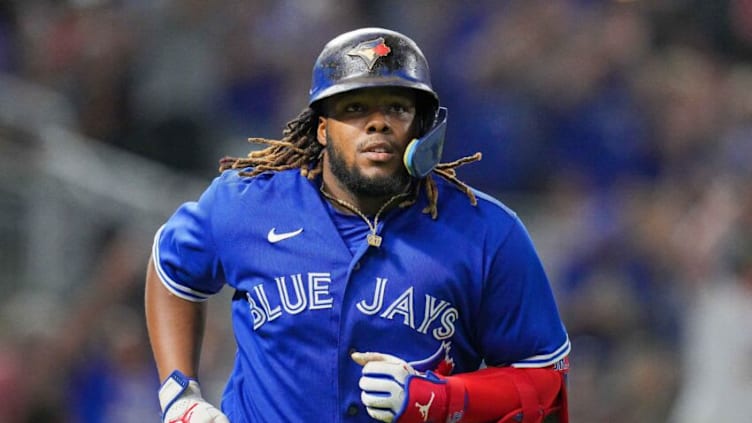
(274, 237)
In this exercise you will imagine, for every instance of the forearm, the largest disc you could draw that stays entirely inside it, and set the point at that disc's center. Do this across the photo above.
(505, 393)
(175, 327)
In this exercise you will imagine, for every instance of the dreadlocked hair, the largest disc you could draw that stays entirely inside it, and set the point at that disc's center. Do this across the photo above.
(299, 149)
(448, 171)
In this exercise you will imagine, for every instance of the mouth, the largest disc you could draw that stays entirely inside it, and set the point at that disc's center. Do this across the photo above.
(378, 150)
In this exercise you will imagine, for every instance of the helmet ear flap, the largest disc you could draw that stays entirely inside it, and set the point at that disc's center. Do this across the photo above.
(424, 153)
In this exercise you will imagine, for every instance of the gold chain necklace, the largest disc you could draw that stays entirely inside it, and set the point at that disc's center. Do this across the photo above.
(373, 239)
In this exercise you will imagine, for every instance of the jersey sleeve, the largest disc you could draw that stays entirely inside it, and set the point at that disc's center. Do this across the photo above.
(184, 252)
(519, 319)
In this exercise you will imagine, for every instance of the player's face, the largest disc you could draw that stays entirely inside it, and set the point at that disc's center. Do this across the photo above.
(365, 133)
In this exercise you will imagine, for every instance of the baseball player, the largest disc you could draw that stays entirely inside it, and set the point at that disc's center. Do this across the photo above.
(370, 284)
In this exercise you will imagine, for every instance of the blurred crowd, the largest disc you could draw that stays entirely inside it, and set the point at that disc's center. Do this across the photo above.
(621, 132)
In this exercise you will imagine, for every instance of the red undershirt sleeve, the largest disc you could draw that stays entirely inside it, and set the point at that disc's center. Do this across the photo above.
(509, 394)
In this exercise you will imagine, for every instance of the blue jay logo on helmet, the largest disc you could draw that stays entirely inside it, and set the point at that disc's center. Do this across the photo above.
(371, 51)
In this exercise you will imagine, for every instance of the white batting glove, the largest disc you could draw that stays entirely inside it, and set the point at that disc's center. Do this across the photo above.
(181, 402)
(383, 383)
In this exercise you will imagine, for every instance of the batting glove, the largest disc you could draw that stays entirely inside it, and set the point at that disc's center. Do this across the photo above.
(181, 402)
(393, 391)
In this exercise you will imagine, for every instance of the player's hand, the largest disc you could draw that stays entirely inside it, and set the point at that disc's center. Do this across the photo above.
(181, 402)
(382, 383)
(393, 391)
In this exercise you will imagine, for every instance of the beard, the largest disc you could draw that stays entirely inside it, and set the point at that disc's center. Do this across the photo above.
(354, 181)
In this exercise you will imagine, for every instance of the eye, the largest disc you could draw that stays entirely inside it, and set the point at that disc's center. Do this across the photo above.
(402, 109)
(354, 107)
(398, 108)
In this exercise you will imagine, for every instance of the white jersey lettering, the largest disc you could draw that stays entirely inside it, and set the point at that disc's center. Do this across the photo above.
(318, 291)
(300, 294)
(402, 305)
(447, 324)
(259, 317)
(295, 297)
(378, 299)
(271, 313)
(432, 312)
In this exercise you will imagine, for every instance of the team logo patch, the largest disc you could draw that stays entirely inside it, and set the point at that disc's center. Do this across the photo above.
(370, 51)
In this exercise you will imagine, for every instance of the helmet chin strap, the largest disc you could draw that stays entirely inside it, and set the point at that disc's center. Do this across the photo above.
(424, 153)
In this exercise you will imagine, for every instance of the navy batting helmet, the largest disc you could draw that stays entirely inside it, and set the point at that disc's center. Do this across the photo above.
(370, 57)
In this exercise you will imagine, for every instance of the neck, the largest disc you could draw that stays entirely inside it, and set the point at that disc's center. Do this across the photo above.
(369, 206)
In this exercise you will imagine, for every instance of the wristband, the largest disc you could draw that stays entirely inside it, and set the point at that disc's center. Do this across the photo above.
(431, 398)
(171, 389)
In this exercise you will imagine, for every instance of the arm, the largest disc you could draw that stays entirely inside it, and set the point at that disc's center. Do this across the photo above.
(510, 394)
(394, 391)
(518, 332)
(175, 326)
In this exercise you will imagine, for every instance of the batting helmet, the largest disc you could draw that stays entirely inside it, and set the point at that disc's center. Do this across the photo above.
(370, 57)
(378, 57)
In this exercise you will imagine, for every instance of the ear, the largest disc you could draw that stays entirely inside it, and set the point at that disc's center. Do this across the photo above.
(321, 131)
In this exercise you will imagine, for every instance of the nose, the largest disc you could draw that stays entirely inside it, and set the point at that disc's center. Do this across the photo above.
(378, 123)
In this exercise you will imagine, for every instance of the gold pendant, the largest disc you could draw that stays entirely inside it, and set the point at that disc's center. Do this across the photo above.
(374, 240)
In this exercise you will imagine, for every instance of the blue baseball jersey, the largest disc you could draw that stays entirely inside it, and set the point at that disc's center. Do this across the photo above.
(445, 295)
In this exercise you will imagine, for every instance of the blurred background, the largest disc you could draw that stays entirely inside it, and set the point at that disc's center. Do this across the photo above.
(620, 131)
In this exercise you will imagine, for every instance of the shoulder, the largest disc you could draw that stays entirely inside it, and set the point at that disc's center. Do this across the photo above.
(492, 222)
(242, 176)
(494, 206)
(456, 203)
(238, 180)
